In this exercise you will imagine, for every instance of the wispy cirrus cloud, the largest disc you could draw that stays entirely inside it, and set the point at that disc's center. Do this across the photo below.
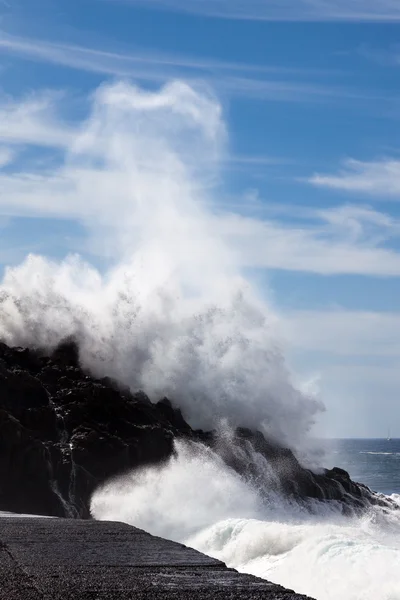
(283, 10)
(135, 62)
(33, 120)
(139, 62)
(266, 82)
(293, 90)
(342, 240)
(380, 178)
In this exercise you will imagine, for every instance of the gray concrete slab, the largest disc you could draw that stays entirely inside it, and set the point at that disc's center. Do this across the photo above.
(54, 559)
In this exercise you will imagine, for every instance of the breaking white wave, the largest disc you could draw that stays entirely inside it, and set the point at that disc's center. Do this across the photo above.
(198, 500)
(381, 453)
(326, 560)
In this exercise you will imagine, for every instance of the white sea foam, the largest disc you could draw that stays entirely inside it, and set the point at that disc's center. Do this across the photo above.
(381, 453)
(197, 500)
(327, 560)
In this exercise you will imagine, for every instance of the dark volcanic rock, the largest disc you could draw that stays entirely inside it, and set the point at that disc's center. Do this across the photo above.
(272, 468)
(63, 432)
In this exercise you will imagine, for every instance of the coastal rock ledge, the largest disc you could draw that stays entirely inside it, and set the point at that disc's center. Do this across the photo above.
(63, 433)
(70, 559)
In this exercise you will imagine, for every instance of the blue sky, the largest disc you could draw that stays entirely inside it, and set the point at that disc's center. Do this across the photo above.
(311, 101)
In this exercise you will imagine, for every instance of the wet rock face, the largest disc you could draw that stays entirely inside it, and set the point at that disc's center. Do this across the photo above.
(271, 468)
(63, 432)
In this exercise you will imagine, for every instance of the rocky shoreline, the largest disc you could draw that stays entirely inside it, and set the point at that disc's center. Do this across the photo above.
(64, 432)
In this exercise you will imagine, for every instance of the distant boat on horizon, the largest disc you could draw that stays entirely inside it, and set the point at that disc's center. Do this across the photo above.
(388, 439)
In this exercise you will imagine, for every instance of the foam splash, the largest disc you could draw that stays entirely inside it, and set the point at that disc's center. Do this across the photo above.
(326, 560)
(196, 499)
(176, 500)
(174, 314)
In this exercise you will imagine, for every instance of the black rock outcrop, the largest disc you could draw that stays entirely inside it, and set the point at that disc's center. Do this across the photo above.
(63, 433)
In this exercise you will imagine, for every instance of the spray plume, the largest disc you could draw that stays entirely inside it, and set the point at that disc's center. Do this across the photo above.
(173, 314)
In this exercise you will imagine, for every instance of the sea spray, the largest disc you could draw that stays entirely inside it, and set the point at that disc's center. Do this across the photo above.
(174, 313)
(162, 499)
(198, 500)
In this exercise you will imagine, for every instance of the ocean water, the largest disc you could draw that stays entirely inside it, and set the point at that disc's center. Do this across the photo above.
(196, 500)
(374, 462)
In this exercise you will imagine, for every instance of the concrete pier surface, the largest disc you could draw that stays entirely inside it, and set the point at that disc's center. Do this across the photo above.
(51, 559)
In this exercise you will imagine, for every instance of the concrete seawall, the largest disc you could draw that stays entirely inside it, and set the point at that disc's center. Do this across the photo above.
(51, 559)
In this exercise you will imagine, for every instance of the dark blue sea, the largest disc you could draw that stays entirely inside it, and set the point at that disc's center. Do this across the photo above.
(374, 462)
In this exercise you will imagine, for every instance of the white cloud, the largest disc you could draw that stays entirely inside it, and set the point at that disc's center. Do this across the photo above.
(137, 63)
(355, 356)
(344, 240)
(6, 156)
(345, 333)
(284, 10)
(377, 178)
(140, 64)
(33, 120)
(334, 245)
(360, 223)
(288, 90)
(251, 81)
